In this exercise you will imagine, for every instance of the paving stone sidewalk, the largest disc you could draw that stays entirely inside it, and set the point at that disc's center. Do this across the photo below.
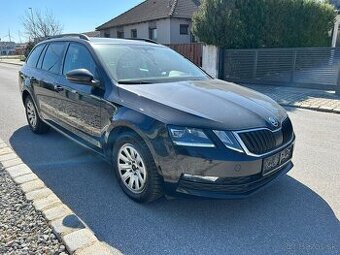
(313, 99)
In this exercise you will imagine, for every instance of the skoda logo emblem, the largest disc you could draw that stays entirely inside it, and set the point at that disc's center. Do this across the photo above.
(273, 121)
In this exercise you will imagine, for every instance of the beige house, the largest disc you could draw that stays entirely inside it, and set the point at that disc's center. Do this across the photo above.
(164, 21)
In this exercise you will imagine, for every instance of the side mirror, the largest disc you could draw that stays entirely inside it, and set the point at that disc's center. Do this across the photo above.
(83, 76)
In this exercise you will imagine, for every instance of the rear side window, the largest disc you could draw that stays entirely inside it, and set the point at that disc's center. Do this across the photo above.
(41, 58)
(53, 57)
(78, 57)
(34, 56)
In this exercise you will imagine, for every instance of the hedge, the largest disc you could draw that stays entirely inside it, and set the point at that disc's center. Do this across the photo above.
(238, 24)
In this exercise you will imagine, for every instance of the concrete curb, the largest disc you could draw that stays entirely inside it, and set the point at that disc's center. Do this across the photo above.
(67, 226)
(11, 63)
(318, 109)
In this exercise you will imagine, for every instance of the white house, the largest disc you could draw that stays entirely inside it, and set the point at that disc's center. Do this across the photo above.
(7, 48)
(164, 21)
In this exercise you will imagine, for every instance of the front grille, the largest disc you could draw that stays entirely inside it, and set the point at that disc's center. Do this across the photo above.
(263, 140)
(287, 130)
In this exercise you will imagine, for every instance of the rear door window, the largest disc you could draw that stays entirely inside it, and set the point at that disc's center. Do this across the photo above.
(41, 58)
(34, 56)
(54, 57)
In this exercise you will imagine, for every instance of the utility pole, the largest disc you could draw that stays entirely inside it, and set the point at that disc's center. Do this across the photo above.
(9, 35)
(31, 9)
(19, 35)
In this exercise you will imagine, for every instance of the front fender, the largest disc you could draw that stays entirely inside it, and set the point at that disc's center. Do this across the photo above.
(152, 131)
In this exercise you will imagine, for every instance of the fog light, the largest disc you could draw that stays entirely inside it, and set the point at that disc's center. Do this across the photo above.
(200, 178)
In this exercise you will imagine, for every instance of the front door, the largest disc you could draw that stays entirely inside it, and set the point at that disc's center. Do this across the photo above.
(82, 108)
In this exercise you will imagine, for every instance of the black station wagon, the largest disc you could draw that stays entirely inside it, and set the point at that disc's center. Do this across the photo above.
(165, 125)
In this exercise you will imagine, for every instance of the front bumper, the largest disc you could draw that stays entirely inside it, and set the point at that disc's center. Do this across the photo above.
(220, 173)
(216, 172)
(227, 188)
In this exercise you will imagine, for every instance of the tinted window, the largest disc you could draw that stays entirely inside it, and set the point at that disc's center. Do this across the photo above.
(78, 57)
(41, 58)
(53, 57)
(34, 56)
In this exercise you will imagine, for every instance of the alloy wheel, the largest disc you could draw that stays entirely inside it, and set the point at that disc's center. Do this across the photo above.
(31, 114)
(131, 168)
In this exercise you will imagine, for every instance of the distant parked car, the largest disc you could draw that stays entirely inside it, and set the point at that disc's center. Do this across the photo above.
(166, 126)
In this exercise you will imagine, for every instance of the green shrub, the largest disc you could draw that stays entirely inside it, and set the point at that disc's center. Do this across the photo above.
(237, 24)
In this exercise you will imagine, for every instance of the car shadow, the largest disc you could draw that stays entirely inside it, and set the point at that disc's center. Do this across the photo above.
(286, 218)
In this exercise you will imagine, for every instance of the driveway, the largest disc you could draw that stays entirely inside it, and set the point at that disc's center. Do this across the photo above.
(299, 214)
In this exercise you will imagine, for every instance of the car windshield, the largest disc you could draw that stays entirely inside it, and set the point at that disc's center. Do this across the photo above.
(142, 64)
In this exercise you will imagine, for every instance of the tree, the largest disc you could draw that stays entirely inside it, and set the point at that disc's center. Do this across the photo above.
(39, 25)
(264, 23)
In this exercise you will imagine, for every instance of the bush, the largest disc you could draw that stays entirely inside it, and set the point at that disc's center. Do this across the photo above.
(238, 24)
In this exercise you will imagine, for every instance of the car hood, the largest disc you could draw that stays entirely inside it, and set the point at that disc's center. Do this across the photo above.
(210, 103)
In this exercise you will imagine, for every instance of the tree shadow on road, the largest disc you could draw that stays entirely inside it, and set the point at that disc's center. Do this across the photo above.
(286, 218)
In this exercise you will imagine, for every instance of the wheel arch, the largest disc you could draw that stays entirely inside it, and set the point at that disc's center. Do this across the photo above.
(144, 127)
(24, 95)
(120, 128)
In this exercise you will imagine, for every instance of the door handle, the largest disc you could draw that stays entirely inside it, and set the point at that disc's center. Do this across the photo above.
(58, 87)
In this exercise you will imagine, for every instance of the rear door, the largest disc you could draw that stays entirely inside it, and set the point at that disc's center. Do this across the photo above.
(49, 91)
(82, 109)
(29, 75)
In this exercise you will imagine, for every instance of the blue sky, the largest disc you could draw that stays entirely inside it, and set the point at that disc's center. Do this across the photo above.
(75, 15)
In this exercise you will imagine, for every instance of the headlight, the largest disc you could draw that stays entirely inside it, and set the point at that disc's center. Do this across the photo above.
(193, 137)
(228, 140)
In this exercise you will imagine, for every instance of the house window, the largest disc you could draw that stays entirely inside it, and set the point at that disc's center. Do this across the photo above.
(107, 35)
(133, 33)
(153, 33)
(184, 29)
(120, 34)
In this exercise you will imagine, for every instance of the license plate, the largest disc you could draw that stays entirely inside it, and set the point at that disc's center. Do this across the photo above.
(274, 162)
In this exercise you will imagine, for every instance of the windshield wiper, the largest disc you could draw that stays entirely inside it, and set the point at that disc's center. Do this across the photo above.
(134, 82)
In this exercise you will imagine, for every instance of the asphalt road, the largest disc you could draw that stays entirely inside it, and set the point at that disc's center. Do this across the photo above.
(299, 214)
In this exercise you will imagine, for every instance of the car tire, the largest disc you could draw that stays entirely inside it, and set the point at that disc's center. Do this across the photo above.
(135, 169)
(33, 119)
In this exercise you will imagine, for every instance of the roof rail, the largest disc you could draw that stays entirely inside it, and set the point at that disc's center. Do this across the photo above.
(80, 36)
(142, 39)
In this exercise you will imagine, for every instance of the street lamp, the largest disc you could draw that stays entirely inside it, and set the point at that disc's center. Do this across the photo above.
(30, 8)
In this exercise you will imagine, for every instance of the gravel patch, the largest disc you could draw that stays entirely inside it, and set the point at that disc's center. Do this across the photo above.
(23, 230)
